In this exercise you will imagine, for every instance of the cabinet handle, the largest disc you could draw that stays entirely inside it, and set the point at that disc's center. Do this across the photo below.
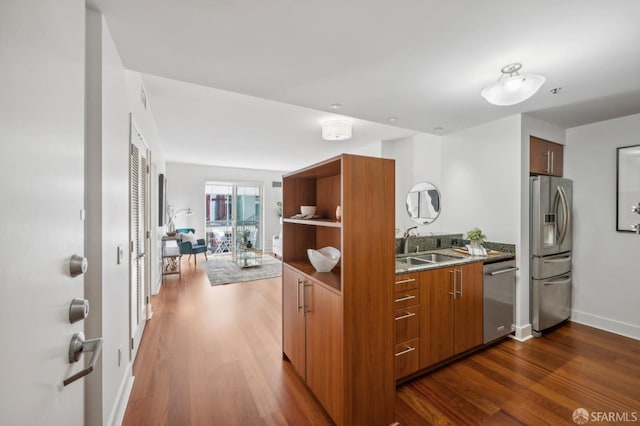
(406, 351)
(551, 162)
(459, 270)
(454, 284)
(298, 294)
(407, 315)
(409, 280)
(304, 297)
(548, 169)
(407, 297)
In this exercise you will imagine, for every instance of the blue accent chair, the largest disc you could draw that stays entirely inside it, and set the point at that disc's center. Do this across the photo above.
(187, 247)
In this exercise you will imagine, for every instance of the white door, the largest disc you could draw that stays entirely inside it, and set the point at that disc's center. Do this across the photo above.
(42, 193)
(139, 234)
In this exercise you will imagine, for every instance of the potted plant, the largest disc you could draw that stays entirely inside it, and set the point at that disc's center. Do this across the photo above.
(476, 237)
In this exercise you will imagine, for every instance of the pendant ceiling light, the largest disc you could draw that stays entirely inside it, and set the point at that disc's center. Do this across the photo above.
(513, 89)
(336, 130)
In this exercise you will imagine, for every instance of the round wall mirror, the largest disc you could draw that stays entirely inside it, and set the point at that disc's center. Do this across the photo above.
(423, 203)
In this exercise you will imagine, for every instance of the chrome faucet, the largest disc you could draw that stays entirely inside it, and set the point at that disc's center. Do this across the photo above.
(405, 240)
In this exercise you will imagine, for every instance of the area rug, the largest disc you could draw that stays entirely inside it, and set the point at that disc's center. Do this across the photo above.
(222, 270)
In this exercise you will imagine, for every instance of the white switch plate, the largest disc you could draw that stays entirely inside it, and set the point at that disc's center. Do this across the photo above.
(120, 254)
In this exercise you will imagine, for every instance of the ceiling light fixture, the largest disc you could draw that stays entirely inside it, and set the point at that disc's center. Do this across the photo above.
(336, 106)
(336, 130)
(392, 119)
(513, 89)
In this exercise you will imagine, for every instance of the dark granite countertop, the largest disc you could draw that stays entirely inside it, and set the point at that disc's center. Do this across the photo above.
(460, 259)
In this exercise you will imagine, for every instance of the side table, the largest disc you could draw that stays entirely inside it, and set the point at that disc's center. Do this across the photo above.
(172, 257)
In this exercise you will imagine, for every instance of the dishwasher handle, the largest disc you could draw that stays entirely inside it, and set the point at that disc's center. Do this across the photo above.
(502, 271)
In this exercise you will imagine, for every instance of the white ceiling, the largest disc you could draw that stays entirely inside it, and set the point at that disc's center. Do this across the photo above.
(213, 69)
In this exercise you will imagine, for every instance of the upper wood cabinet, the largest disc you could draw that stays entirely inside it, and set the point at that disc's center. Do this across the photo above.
(545, 157)
(347, 312)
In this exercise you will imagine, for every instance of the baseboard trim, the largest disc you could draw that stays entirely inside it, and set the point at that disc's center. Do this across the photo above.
(606, 324)
(117, 412)
(522, 334)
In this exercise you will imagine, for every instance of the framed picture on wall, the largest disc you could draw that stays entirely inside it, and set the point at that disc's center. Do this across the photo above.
(628, 189)
(162, 200)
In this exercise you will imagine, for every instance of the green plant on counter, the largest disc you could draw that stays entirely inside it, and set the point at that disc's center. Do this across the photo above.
(476, 235)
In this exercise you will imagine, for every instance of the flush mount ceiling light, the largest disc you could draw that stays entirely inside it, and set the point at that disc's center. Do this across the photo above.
(513, 89)
(336, 130)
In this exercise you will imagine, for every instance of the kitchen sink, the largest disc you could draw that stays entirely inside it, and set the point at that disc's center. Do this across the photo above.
(419, 261)
(436, 257)
(413, 261)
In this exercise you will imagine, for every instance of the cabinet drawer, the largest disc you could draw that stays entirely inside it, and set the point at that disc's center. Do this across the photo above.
(402, 299)
(406, 358)
(405, 282)
(406, 323)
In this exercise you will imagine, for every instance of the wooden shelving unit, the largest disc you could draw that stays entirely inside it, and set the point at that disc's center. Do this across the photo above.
(338, 325)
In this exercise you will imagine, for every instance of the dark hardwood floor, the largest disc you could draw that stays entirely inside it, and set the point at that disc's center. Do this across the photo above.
(213, 356)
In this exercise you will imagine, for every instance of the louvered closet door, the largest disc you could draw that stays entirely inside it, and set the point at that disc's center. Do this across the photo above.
(138, 222)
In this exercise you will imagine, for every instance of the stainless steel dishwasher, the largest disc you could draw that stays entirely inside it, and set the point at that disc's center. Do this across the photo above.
(499, 288)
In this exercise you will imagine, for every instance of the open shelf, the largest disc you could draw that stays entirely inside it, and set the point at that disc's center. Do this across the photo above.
(315, 222)
(330, 279)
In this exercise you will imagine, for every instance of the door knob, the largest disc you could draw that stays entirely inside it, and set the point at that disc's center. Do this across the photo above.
(636, 208)
(77, 346)
(77, 265)
(78, 310)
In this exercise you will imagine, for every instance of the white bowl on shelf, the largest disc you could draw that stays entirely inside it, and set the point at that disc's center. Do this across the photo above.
(324, 259)
(308, 210)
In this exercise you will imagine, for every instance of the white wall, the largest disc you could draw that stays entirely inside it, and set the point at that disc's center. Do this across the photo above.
(606, 287)
(186, 188)
(481, 179)
(112, 94)
(418, 159)
(107, 283)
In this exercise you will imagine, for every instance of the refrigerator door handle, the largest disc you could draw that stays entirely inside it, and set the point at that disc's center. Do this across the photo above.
(562, 259)
(566, 216)
(565, 281)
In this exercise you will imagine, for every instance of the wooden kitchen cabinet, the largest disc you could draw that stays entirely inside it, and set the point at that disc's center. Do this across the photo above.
(312, 335)
(293, 320)
(406, 318)
(338, 326)
(545, 157)
(451, 304)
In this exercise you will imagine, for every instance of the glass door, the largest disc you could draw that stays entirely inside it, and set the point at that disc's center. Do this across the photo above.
(233, 216)
(248, 219)
(219, 217)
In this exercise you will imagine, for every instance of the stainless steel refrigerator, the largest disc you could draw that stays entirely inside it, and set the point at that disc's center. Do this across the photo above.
(550, 238)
